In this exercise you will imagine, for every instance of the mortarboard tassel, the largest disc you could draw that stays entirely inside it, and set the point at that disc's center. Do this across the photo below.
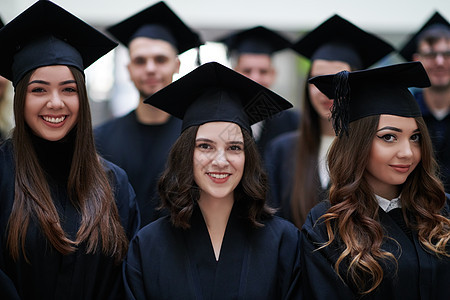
(340, 108)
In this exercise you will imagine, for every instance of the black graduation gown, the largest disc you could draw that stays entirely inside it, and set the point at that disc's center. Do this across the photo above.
(168, 263)
(280, 162)
(285, 121)
(141, 150)
(440, 136)
(420, 275)
(51, 275)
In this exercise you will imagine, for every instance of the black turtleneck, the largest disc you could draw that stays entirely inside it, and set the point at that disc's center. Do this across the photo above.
(55, 157)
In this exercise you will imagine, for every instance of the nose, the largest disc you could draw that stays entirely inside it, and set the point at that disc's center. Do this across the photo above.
(150, 65)
(405, 149)
(220, 159)
(55, 102)
(440, 58)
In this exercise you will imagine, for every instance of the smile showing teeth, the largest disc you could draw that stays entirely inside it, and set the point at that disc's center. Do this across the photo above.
(219, 176)
(53, 120)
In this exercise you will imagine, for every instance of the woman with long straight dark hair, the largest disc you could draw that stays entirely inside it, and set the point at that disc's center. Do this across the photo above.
(66, 214)
(385, 231)
(296, 161)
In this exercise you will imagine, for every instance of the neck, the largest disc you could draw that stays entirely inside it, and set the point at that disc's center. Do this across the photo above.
(216, 213)
(150, 115)
(437, 99)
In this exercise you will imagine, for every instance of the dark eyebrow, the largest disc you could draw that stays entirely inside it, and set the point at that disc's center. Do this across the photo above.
(47, 83)
(39, 81)
(395, 129)
(204, 140)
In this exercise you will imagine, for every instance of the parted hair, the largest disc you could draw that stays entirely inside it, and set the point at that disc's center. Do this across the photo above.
(353, 216)
(88, 186)
(179, 193)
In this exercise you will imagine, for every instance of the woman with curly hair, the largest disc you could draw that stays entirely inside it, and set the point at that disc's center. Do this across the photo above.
(66, 215)
(221, 240)
(296, 161)
(384, 233)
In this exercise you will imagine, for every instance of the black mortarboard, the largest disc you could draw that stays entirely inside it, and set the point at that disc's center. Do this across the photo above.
(213, 92)
(410, 47)
(258, 40)
(370, 92)
(45, 34)
(1, 23)
(157, 22)
(338, 39)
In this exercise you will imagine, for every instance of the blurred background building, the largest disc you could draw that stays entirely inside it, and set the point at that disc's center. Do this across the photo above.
(112, 93)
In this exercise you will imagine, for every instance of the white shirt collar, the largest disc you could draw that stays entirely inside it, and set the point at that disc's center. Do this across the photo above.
(388, 205)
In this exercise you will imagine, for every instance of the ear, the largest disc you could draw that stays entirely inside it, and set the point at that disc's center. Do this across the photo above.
(416, 57)
(177, 67)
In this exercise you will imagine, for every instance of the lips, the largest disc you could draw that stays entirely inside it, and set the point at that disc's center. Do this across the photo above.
(401, 168)
(54, 121)
(218, 177)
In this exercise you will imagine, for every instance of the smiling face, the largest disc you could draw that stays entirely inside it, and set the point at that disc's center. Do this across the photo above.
(321, 103)
(218, 159)
(52, 102)
(394, 154)
(152, 64)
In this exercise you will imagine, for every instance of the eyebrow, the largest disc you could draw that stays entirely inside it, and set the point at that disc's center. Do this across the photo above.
(395, 129)
(211, 141)
(48, 83)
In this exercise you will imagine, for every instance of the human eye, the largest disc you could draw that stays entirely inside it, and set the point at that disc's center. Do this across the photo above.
(389, 138)
(70, 90)
(236, 148)
(37, 89)
(161, 59)
(204, 146)
(416, 138)
(139, 61)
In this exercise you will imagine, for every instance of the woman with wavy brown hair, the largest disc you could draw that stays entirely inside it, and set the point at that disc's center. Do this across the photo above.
(220, 239)
(384, 233)
(296, 161)
(66, 214)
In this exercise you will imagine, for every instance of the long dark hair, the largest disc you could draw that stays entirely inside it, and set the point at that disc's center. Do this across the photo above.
(88, 188)
(353, 216)
(179, 192)
(306, 184)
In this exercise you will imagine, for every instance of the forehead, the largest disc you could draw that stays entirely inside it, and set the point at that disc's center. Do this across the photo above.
(146, 46)
(254, 59)
(403, 123)
(220, 131)
(324, 67)
(442, 43)
(55, 72)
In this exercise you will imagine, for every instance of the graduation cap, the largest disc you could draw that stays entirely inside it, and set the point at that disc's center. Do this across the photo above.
(157, 22)
(213, 93)
(1, 23)
(338, 39)
(46, 34)
(410, 47)
(256, 40)
(370, 92)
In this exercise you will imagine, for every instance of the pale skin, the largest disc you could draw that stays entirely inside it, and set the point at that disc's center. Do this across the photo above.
(319, 101)
(218, 168)
(152, 66)
(257, 67)
(437, 97)
(52, 102)
(395, 153)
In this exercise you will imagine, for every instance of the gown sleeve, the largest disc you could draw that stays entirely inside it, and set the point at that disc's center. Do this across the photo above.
(132, 272)
(319, 279)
